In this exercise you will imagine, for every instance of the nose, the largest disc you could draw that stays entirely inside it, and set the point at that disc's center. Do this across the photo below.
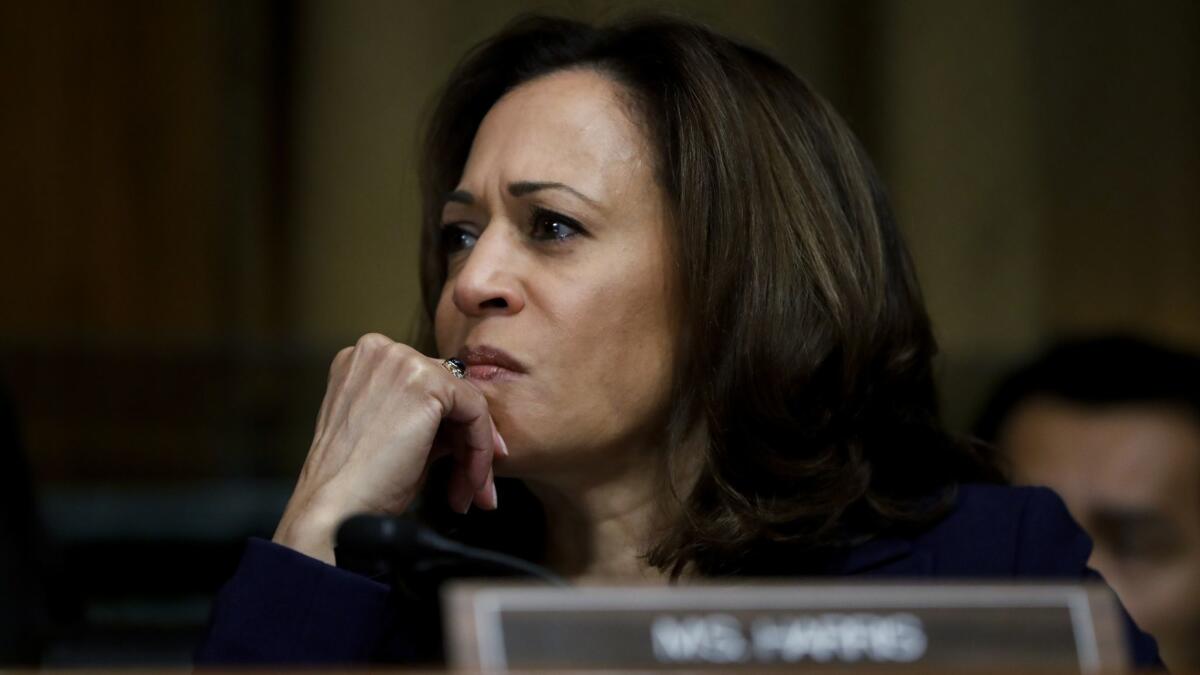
(488, 282)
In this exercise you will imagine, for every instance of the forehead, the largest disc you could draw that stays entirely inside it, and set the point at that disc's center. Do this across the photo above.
(570, 126)
(1136, 452)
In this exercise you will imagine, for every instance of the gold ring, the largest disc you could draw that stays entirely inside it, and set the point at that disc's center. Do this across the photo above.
(456, 367)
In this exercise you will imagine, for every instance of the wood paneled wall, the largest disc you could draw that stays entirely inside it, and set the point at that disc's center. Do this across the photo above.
(145, 279)
(205, 200)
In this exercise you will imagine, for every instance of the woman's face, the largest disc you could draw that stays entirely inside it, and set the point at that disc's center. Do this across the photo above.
(558, 258)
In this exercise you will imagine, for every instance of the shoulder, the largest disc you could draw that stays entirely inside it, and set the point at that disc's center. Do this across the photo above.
(996, 530)
(989, 531)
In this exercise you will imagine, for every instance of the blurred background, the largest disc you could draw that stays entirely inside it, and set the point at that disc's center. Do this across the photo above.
(203, 201)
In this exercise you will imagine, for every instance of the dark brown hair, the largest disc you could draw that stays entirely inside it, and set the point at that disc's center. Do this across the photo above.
(805, 349)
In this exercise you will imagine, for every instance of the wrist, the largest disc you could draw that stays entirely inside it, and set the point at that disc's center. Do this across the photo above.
(310, 531)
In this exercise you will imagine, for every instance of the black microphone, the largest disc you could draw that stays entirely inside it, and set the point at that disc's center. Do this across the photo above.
(379, 546)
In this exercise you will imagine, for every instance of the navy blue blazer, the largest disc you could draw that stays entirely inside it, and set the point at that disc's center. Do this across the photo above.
(284, 607)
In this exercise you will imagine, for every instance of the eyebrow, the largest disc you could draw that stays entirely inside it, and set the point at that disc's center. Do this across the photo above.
(461, 197)
(520, 189)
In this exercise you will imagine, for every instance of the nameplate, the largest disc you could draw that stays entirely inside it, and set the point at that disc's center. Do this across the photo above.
(1068, 628)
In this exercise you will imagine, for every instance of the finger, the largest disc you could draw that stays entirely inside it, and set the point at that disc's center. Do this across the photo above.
(476, 465)
(363, 357)
(498, 443)
(467, 406)
(459, 492)
(485, 497)
(451, 439)
(333, 385)
(471, 463)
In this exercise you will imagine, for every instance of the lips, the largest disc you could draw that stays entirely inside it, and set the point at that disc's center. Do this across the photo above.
(489, 363)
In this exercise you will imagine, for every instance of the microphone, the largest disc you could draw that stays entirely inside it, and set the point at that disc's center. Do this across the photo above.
(379, 545)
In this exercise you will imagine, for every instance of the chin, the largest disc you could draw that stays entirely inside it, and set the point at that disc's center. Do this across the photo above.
(541, 455)
(524, 459)
(533, 460)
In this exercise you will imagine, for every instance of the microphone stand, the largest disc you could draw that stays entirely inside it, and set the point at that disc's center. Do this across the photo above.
(388, 546)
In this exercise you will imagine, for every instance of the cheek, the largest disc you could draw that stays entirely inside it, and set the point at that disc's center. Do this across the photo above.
(445, 319)
(631, 337)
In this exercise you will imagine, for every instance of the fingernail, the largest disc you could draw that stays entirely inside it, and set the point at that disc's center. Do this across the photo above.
(495, 497)
(503, 445)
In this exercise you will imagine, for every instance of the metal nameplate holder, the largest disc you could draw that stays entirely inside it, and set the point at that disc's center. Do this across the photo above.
(916, 626)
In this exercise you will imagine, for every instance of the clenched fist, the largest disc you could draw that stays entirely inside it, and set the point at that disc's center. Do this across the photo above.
(389, 411)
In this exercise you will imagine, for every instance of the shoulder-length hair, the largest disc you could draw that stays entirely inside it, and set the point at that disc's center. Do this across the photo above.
(805, 350)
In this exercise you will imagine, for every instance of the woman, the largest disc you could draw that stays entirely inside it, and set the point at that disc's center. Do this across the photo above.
(687, 323)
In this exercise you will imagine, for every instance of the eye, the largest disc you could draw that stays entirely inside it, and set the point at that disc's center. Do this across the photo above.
(455, 239)
(548, 225)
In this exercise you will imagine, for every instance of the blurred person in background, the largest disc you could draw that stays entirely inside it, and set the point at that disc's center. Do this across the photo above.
(1113, 425)
(677, 310)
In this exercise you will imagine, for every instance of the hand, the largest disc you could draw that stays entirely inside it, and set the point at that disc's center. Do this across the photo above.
(389, 411)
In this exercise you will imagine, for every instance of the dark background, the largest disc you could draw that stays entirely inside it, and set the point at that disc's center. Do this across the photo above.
(203, 201)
